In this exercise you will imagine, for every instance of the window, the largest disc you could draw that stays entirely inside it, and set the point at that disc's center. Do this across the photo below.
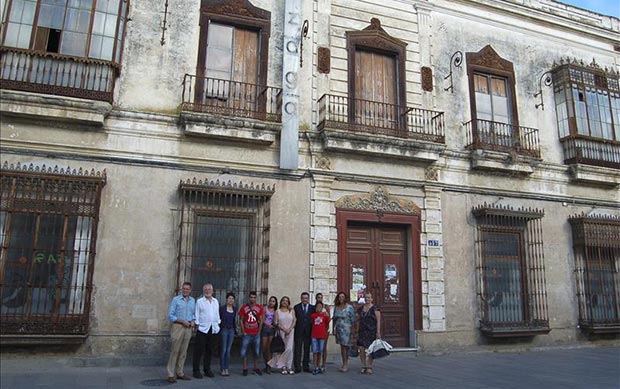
(224, 237)
(63, 47)
(492, 102)
(510, 272)
(587, 102)
(231, 72)
(596, 245)
(80, 28)
(48, 223)
(495, 123)
(376, 78)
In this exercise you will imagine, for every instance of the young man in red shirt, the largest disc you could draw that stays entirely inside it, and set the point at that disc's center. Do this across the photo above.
(252, 316)
(320, 323)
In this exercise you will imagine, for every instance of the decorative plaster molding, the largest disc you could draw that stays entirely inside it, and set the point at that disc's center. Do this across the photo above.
(380, 201)
(322, 162)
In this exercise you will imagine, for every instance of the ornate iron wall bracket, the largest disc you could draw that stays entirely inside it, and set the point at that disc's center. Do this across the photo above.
(304, 33)
(456, 60)
(548, 80)
(164, 27)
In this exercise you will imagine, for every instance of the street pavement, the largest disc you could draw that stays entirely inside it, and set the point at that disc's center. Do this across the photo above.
(590, 368)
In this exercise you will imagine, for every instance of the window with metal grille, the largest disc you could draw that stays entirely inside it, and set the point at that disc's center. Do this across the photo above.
(510, 271)
(596, 245)
(224, 237)
(48, 225)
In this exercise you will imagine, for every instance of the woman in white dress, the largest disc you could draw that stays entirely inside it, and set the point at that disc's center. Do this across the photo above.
(285, 322)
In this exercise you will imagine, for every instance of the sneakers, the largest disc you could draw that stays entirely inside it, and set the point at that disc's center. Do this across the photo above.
(316, 371)
(258, 372)
(322, 370)
(284, 372)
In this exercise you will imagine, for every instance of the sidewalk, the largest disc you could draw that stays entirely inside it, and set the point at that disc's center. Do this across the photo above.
(590, 368)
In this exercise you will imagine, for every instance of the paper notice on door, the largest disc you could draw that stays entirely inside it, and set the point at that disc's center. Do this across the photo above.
(358, 282)
(353, 295)
(391, 283)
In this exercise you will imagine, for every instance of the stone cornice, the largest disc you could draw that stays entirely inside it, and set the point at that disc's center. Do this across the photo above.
(538, 15)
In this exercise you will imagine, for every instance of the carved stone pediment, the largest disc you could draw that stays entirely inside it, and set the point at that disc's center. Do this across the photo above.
(234, 8)
(375, 37)
(380, 201)
(488, 58)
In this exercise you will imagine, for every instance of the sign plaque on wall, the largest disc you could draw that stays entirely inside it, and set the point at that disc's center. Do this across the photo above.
(289, 145)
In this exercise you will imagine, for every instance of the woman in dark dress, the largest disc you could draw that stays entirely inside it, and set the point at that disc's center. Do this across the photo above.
(369, 329)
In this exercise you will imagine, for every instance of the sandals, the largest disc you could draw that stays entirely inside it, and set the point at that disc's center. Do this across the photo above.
(343, 369)
(363, 371)
(369, 370)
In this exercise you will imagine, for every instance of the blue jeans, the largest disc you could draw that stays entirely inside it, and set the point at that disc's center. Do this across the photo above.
(245, 342)
(318, 345)
(228, 335)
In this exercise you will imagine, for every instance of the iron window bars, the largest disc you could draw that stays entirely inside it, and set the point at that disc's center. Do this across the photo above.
(510, 271)
(48, 232)
(596, 245)
(224, 237)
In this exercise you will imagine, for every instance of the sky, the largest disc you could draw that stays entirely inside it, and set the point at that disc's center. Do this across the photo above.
(605, 7)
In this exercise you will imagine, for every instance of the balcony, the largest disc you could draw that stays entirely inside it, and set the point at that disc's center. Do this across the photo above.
(579, 149)
(50, 73)
(372, 127)
(503, 137)
(593, 161)
(220, 108)
(502, 147)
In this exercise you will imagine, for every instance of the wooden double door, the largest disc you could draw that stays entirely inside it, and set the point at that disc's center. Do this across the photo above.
(375, 259)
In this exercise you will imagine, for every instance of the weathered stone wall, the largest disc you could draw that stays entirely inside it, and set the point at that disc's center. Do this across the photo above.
(146, 152)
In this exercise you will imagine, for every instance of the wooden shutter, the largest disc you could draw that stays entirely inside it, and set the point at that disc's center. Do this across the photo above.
(245, 69)
(375, 87)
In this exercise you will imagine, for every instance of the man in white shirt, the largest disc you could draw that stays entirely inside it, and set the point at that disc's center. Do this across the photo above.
(208, 324)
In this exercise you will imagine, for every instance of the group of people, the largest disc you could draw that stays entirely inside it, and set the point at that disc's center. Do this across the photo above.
(302, 328)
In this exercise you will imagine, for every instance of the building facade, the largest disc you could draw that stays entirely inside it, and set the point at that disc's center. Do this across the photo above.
(461, 160)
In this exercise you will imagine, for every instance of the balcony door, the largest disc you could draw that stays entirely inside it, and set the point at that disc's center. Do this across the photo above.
(376, 98)
(494, 119)
(231, 68)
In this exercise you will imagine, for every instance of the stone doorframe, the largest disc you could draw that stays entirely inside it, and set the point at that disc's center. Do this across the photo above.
(380, 207)
(325, 237)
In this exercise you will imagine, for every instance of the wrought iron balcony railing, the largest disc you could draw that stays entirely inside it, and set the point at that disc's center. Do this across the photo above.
(51, 73)
(488, 135)
(231, 98)
(373, 117)
(591, 151)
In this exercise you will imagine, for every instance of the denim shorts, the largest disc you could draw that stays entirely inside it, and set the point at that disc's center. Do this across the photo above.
(318, 345)
(267, 331)
(245, 342)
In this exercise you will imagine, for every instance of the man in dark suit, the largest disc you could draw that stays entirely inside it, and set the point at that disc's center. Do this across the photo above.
(303, 332)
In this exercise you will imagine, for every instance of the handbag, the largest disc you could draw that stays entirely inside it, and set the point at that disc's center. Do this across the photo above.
(379, 349)
(277, 344)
